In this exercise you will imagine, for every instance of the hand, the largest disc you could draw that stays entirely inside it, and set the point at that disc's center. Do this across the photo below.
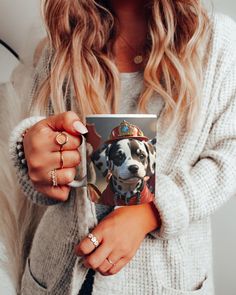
(119, 235)
(42, 153)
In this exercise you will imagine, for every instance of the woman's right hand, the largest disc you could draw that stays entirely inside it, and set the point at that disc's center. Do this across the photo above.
(42, 153)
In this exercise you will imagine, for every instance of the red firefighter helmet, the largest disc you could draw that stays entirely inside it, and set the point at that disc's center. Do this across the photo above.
(126, 130)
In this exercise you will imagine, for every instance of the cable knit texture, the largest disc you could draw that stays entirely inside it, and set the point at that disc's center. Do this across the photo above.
(195, 175)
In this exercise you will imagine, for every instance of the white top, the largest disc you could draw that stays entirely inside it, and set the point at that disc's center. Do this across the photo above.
(131, 87)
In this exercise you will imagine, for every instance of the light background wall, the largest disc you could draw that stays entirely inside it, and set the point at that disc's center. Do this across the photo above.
(225, 6)
(21, 28)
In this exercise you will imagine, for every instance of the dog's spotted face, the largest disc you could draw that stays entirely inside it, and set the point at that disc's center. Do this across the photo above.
(127, 159)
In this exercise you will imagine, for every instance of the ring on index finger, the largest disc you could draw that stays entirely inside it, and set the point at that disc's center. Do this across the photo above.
(61, 139)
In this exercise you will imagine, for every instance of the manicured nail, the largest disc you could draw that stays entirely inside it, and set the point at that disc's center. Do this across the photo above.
(80, 127)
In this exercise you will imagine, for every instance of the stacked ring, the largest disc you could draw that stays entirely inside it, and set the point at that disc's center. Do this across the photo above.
(53, 177)
(93, 239)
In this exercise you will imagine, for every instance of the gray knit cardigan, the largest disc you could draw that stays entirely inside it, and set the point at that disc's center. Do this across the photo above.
(195, 175)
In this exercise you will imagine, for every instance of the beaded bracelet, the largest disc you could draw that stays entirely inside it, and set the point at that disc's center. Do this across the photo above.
(20, 151)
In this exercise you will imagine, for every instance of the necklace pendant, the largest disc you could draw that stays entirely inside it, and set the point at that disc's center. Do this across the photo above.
(138, 59)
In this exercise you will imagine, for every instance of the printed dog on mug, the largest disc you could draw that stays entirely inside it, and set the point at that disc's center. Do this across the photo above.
(129, 163)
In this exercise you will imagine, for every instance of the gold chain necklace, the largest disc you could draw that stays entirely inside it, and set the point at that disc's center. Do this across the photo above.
(138, 58)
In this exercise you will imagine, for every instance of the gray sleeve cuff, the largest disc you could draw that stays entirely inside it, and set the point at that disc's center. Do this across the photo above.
(172, 208)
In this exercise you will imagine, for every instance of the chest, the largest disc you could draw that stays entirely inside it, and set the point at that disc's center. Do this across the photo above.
(132, 85)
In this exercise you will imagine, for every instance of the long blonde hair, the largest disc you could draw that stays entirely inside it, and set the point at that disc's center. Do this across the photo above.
(81, 34)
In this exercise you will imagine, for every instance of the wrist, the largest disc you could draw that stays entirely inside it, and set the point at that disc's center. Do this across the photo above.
(145, 216)
(150, 216)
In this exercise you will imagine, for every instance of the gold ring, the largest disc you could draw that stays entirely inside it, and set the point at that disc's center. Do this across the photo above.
(61, 139)
(93, 239)
(53, 177)
(61, 160)
(110, 261)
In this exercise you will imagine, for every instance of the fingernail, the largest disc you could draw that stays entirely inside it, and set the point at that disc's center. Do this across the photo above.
(80, 127)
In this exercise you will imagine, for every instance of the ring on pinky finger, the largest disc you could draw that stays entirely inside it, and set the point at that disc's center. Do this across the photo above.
(106, 265)
(110, 261)
(116, 267)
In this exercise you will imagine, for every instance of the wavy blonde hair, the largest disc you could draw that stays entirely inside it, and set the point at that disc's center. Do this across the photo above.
(81, 34)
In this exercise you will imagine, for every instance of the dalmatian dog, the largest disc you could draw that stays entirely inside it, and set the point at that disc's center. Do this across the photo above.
(129, 162)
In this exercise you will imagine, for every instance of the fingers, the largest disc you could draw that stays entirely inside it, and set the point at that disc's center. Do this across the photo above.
(86, 246)
(41, 140)
(101, 258)
(72, 143)
(67, 121)
(58, 193)
(44, 153)
(97, 258)
(116, 268)
(63, 176)
(69, 159)
(109, 262)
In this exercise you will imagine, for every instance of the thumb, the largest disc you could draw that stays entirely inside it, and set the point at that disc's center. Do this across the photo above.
(67, 121)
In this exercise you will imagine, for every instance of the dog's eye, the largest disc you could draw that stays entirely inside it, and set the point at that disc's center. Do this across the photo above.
(141, 156)
(119, 156)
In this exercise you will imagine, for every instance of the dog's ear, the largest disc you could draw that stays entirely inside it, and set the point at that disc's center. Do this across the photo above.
(151, 150)
(100, 159)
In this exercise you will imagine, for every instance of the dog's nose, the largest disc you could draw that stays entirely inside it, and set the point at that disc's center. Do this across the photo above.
(133, 168)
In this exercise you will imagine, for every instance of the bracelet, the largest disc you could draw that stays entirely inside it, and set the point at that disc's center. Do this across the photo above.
(20, 151)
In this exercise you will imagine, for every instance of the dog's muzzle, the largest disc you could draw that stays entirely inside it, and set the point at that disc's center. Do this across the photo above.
(133, 169)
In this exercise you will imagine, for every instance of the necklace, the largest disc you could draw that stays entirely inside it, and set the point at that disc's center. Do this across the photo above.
(138, 58)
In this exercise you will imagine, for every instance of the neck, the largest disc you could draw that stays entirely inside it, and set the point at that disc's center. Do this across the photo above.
(132, 25)
(131, 14)
(124, 7)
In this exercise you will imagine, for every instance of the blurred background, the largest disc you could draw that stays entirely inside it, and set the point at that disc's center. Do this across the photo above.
(20, 31)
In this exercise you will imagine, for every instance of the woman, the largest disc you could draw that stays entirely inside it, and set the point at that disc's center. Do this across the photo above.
(184, 66)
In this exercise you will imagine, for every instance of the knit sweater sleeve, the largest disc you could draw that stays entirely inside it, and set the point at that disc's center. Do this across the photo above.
(15, 138)
(192, 193)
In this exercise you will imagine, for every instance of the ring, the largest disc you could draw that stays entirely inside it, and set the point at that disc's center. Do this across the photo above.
(61, 139)
(61, 160)
(110, 261)
(93, 239)
(53, 177)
